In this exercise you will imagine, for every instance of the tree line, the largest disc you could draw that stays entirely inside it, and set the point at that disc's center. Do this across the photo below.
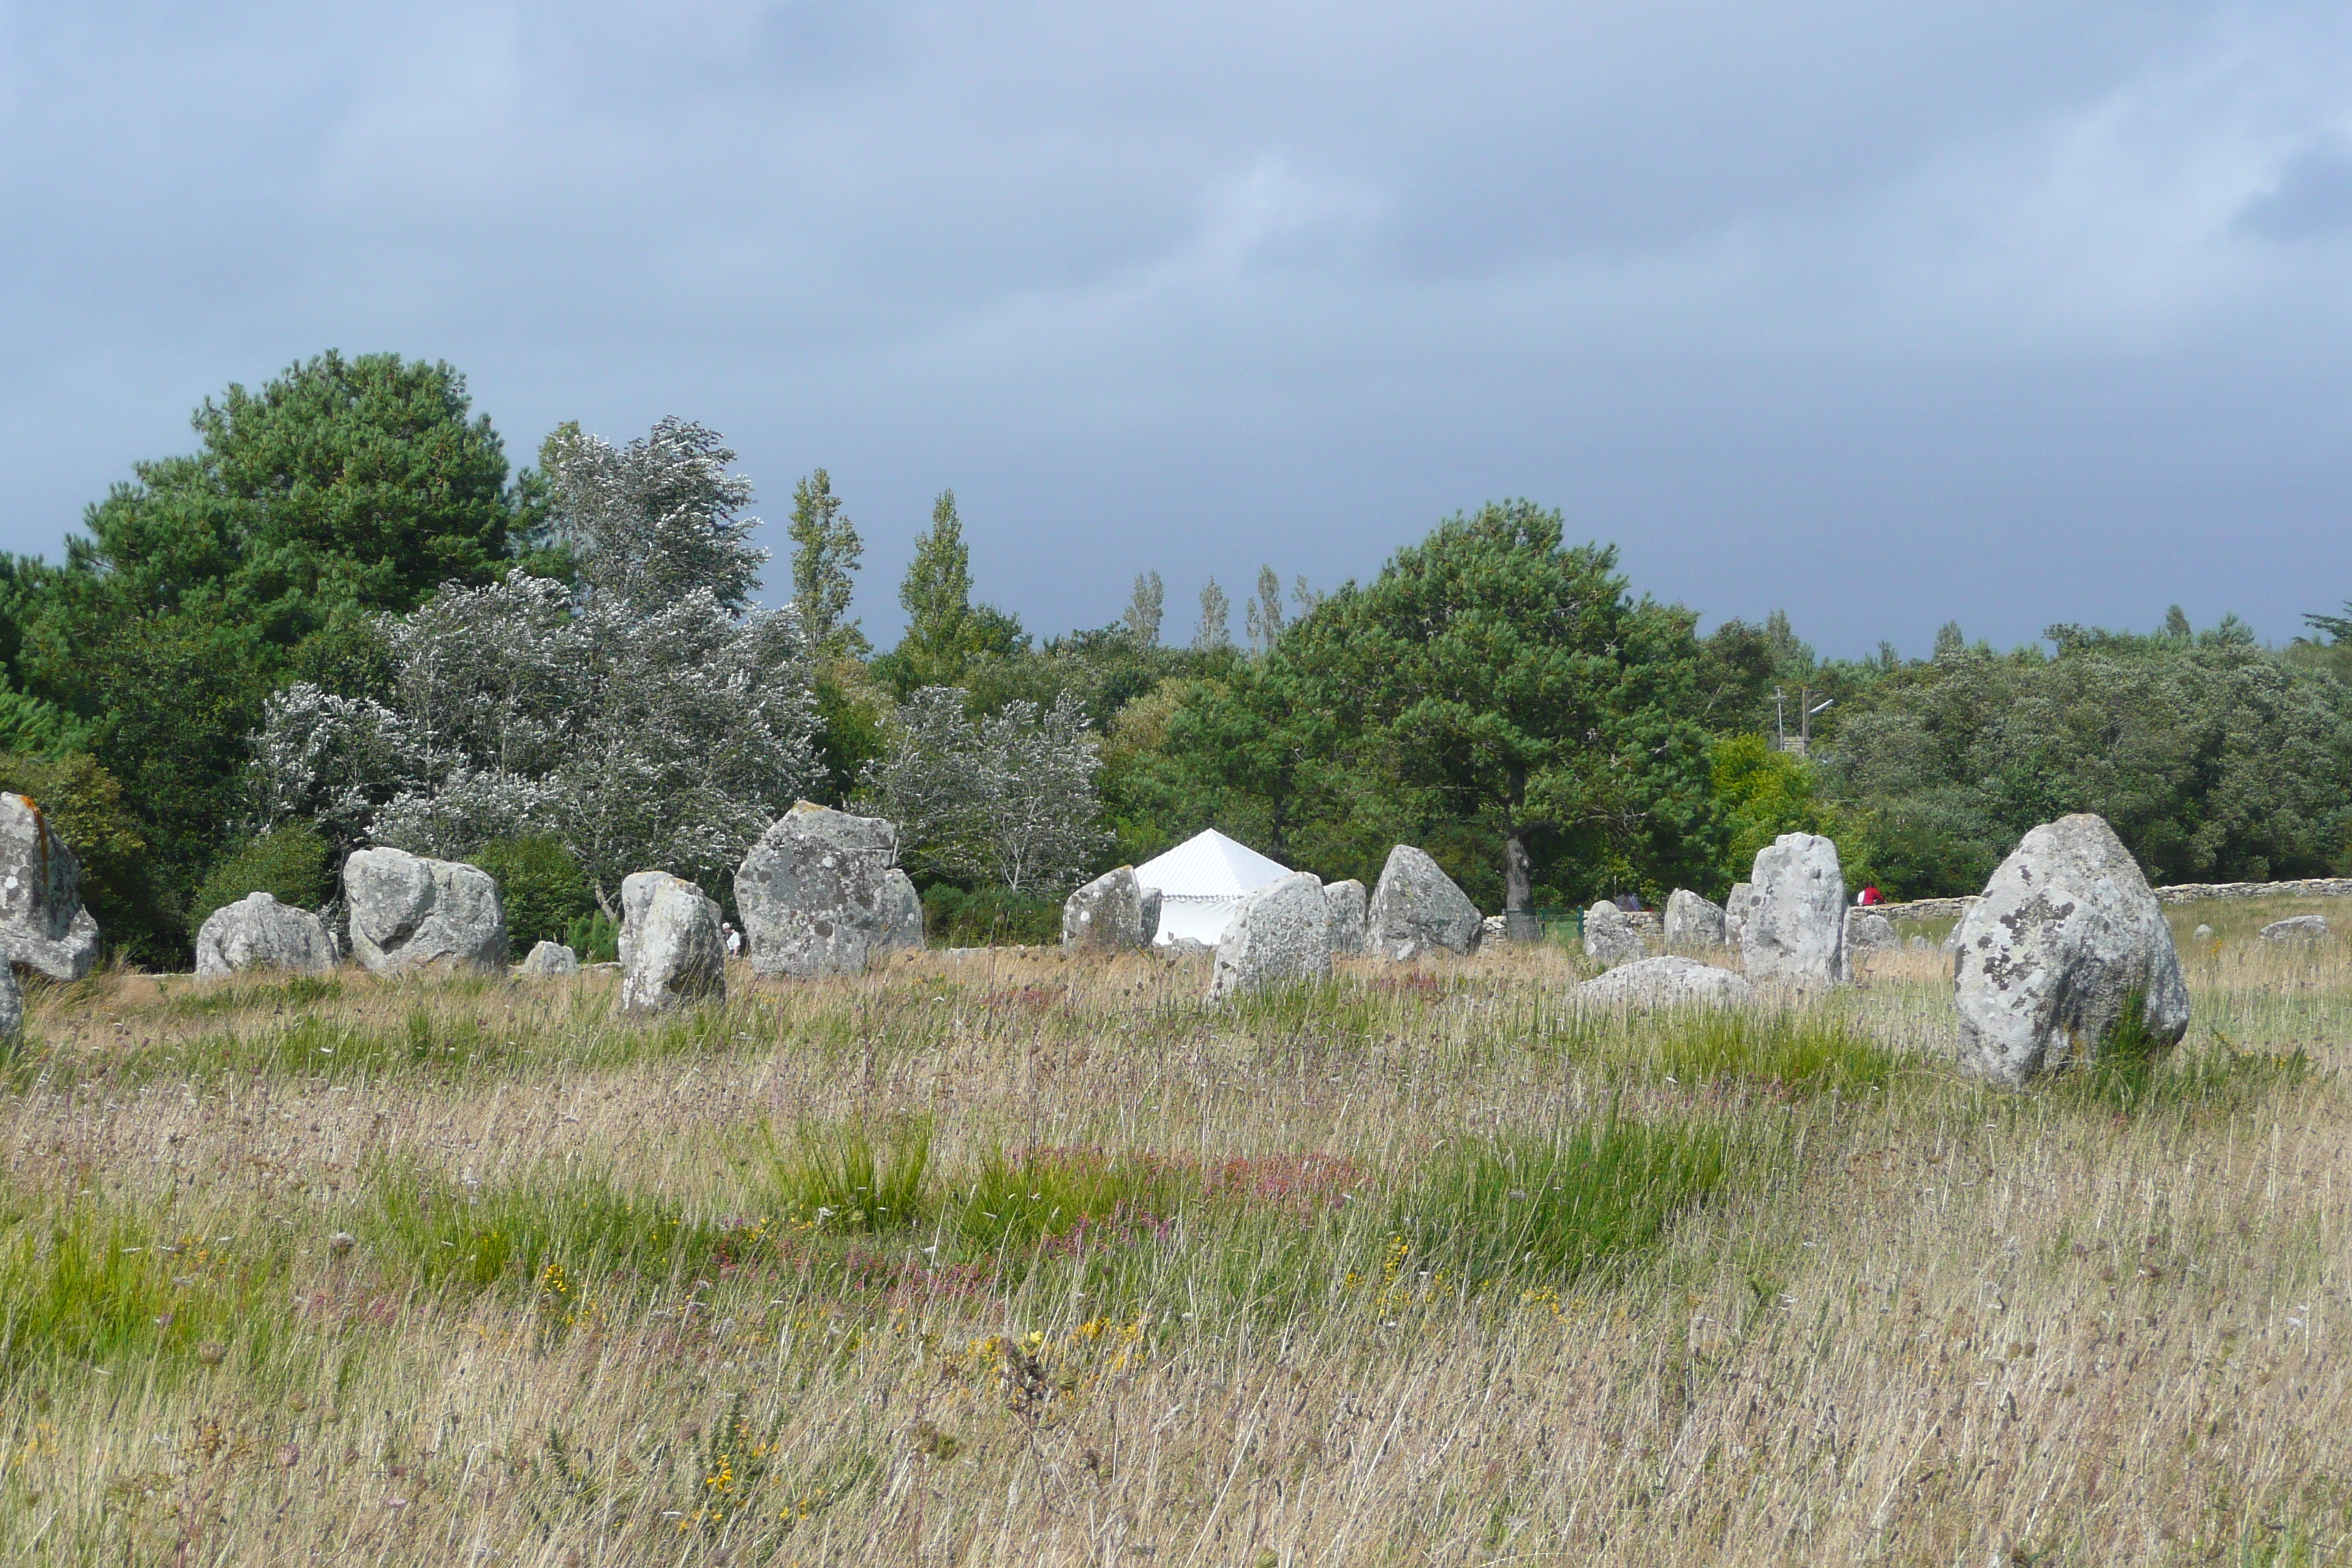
(348, 617)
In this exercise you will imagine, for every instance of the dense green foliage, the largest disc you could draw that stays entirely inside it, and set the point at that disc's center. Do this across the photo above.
(1493, 695)
(541, 887)
(342, 489)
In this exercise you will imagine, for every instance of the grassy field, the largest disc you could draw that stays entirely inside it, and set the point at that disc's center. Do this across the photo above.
(1019, 1260)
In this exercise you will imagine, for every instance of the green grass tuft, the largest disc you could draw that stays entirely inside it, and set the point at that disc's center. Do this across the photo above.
(1550, 1206)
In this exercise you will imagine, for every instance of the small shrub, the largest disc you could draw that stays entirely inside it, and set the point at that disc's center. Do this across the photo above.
(990, 917)
(540, 885)
(288, 863)
(595, 938)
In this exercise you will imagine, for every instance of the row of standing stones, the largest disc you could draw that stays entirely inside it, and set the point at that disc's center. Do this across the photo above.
(2066, 946)
(1291, 929)
(820, 893)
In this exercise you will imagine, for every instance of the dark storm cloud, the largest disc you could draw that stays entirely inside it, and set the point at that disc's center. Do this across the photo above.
(2006, 312)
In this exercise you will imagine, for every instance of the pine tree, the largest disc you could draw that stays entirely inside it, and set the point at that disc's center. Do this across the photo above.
(825, 551)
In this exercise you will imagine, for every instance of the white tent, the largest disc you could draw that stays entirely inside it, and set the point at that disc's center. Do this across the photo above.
(1201, 881)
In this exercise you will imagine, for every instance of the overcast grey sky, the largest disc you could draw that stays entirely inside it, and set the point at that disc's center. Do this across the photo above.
(2000, 311)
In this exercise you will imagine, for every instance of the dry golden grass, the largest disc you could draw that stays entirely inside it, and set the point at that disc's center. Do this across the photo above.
(586, 1316)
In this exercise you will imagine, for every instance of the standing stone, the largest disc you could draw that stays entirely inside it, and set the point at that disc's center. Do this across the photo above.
(2066, 933)
(12, 1004)
(1348, 900)
(1866, 930)
(550, 958)
(42, 923)
(1609, 938)
(1669, 982)
(1692, 921)
(673, 951)
(1735, 911)
(2202, 933)
(1107, 915)
(1417, 909)
(409, 912)
(1279, 934)
(814, 892)
(1151, 906)
(902, 908)
(1794, 927)
(2296, 928)
(258, 933)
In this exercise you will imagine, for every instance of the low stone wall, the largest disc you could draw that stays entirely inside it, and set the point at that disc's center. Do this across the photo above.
(2178, 893)
(1929, 909)
(2308, 887)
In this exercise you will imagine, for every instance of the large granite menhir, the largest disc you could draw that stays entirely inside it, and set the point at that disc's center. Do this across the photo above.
(42, 923)
(1417, 909)
(1609, 938)
(1669, 982)
(1107, 915)
(1280, 934)
(1692, 921)
(409, 912)
(902, 910)
(817, 897)
(673, 951)
(1348, 902)
(2066, 940)
(258, 933)
(1794, 927)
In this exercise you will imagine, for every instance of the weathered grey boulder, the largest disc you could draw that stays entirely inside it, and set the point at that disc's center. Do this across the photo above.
(1107, 915)
(1917, 944)
(1692, 921)
(42, 923)
(1416, 909)
(1152, 898)
(258, 933)
(1735, 911)
(1793, 929)
(1669, 982)
(1347, 901)
(1280, 934)
(2296, 928)
(409, 912)
(550, 958)
(2202, 933)
(1867, 931)
(12, 1004)
(2066, 934)
(902, 908)
(814, 892)
(1609, 938)
(673, 952)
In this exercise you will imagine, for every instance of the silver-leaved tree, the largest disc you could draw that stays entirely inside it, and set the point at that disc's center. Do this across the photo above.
(1008, 798)
(644, 717)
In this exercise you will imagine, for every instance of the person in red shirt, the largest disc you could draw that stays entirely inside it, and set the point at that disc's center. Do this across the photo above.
(1868, 897)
